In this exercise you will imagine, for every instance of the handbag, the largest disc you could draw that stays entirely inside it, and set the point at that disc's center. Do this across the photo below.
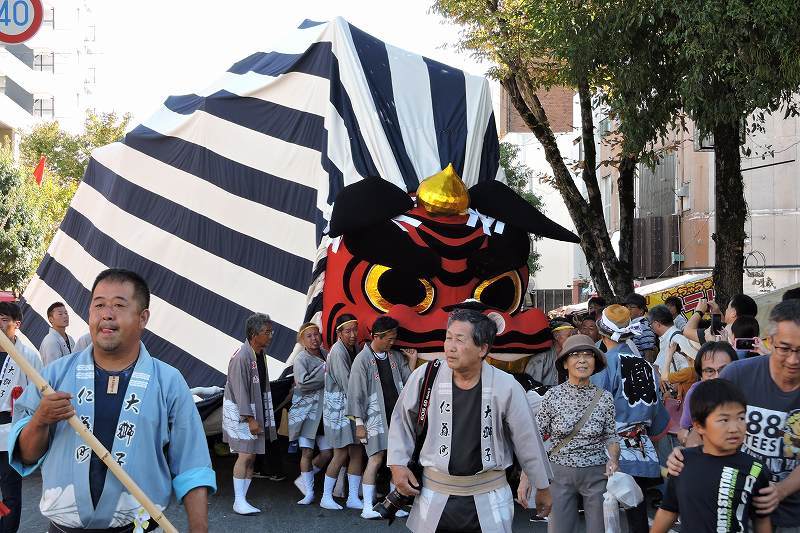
(674, 405)
(582, 422)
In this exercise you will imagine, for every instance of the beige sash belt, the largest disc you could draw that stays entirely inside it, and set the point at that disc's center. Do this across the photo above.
(463, 485)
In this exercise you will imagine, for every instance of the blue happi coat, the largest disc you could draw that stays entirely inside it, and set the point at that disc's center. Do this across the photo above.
(633, 383)
(159, 441)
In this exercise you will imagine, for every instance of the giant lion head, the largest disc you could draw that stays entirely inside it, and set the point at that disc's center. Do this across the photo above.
(416, 257)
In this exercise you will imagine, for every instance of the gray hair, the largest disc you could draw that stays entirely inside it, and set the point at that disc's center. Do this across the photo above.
(786, 311)
(255, 323)
(483, 329)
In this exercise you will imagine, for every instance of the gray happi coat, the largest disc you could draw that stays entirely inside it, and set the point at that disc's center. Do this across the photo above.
(542, 367)
(339, 429)
(309, 391)
(365, 395)
(243, 398)
(507, 428)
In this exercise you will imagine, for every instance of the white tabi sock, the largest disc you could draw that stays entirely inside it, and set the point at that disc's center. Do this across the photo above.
(308, 480)
(353, 484)
(327, 501)
(369, 494)
(240, 504)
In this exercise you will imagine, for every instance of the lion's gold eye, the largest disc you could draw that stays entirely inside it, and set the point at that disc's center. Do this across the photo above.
(503, 292)
(386, 287)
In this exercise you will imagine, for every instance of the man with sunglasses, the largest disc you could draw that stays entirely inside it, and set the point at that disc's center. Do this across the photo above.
(771, 384)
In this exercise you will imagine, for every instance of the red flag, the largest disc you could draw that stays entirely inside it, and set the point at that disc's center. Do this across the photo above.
(39, 171)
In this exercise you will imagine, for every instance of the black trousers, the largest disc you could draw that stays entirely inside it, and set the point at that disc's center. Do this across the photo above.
(271, 462)
(637, 516)
(11, 486)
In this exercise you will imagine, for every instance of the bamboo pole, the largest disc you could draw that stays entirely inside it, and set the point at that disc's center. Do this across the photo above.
(89, 438)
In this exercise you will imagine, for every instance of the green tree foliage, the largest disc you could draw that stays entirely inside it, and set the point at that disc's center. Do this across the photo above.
(518, 176)
(737, 59)
(29, 213)
(29, 217)
(68, 153)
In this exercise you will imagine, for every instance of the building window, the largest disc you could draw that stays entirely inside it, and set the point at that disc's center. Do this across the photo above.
(605, 196)
(90, 31)
(90, 75)
(44, 108)
(44, 62)
(49, 18)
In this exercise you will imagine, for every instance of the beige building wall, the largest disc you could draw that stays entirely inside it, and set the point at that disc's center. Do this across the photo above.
(772, 190)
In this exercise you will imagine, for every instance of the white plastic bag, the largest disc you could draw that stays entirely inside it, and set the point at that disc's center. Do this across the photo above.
(611, 513)
(625, 490)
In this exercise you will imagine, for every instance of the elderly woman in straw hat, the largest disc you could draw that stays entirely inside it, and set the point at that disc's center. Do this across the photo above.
(579, 419)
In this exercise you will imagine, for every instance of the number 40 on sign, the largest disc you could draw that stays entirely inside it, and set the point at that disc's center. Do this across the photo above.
(19, 20)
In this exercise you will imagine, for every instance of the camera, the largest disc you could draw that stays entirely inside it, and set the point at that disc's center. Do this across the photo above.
(745, 344)
(394, 500)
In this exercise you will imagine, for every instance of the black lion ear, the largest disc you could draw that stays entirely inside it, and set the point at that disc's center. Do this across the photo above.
(365, 203)
(384, 243)
(506, 251)
(496, 199)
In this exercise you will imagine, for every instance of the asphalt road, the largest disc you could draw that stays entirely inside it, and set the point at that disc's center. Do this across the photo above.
(281, 514)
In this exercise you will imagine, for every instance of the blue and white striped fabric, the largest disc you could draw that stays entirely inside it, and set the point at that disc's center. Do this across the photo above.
(220, 200)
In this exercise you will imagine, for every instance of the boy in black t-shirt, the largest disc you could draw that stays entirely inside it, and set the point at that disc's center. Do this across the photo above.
(714, 492)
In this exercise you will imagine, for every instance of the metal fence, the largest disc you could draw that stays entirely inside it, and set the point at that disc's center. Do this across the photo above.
(549, 299)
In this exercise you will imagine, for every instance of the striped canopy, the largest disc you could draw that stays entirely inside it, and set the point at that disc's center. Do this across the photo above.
(221, 199)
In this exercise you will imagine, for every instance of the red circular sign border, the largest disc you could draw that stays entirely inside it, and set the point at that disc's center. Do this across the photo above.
(38, 15)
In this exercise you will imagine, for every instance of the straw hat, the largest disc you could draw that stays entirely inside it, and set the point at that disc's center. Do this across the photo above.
(580, 343)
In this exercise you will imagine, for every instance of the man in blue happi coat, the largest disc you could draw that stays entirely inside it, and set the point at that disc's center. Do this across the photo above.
(140, 408)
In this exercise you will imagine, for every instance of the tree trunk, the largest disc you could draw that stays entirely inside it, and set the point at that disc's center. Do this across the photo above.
(622, 276)
(731, 212)
(587, 216)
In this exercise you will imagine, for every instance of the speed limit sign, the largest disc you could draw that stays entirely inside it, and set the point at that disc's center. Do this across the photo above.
(19, 20)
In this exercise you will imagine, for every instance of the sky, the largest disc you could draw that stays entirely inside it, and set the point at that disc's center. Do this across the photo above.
(152, 49)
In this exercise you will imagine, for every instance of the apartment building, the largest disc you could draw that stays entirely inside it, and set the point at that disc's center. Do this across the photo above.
(51, 76)
(676, 208)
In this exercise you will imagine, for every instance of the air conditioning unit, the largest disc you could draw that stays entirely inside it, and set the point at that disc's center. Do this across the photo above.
(682, 191)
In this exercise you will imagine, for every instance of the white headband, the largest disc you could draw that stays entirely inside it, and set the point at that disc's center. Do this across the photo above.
(616, 331)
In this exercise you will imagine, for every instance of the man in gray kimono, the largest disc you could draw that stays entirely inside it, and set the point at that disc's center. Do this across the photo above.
(247, 415)
(305, 415)
(542, 366)
(340, 430)
(478, 419)
(376, 380)
(57, 343)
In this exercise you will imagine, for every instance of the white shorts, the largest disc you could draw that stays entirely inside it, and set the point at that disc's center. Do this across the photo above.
(322, 443)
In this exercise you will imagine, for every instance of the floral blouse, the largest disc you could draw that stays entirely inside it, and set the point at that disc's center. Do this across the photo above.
(562, 408)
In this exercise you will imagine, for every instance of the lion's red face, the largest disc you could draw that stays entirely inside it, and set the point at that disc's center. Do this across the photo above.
(417, 265)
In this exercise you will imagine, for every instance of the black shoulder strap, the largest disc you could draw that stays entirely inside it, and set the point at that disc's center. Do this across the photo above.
(424, 403)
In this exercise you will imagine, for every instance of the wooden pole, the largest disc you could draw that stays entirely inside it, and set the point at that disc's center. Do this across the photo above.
(89, 438)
